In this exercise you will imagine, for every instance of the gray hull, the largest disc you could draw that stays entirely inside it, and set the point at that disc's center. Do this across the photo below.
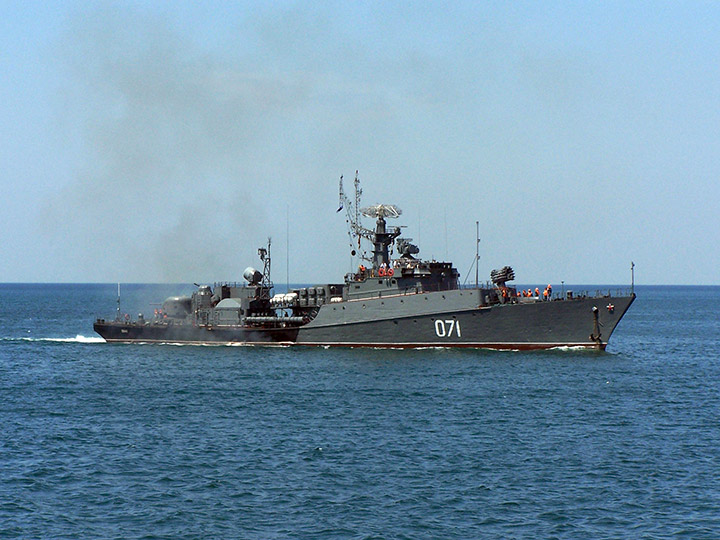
(453, 319)
(133, 332)
(439, 319)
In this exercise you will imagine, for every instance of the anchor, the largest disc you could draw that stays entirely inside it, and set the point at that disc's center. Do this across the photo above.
(596, 334)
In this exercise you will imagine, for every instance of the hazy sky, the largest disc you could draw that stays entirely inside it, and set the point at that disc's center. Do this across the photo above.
(165, 141)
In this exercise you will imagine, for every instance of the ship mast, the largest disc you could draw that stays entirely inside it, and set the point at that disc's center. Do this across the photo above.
(477, 252)
(117, 316)
(264, 254)
(352, 210)
(380, 237)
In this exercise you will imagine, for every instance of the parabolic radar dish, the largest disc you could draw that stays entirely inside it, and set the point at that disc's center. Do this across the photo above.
(381, 210)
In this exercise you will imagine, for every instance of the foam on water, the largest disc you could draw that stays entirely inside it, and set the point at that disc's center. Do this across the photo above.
(77, 339)
(572, 348)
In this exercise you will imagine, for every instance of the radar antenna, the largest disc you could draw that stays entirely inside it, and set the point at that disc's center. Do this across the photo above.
(381, 211)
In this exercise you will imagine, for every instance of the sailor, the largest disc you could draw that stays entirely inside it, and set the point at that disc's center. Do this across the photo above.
(545, 295)
(537, 292)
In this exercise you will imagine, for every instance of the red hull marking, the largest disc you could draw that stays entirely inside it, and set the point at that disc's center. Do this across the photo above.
(494, 346)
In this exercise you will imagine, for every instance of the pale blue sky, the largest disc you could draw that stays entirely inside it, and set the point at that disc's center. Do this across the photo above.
(161, 142)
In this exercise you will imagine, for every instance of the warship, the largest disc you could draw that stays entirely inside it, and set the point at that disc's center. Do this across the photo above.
(394, 299)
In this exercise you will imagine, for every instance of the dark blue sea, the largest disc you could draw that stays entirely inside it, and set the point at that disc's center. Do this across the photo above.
(191, 442)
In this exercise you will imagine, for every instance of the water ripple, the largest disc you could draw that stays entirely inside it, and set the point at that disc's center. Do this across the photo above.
(215, 442)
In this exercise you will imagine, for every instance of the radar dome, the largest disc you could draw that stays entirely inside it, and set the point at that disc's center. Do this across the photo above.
(252, 276)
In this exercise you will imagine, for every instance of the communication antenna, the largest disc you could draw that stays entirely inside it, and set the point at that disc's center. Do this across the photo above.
(477, 252)
(445, 220)
(476, 259)
(117, 316)
(264, 254)
(353, 211)
(632, 277)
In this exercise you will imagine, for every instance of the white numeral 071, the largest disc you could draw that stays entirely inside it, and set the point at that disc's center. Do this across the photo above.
(447, 327)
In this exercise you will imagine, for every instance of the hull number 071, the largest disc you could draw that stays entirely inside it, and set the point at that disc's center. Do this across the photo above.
(447, 328)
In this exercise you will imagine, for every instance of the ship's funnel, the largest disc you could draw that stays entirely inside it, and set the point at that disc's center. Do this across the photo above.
(252, 276)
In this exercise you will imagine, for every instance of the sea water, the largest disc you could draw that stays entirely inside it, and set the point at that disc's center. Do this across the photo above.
(125, 441)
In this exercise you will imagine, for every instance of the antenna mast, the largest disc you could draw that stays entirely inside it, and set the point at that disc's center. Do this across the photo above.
(352, 210)
(477, 251)
(117, 317)
(264, 254)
